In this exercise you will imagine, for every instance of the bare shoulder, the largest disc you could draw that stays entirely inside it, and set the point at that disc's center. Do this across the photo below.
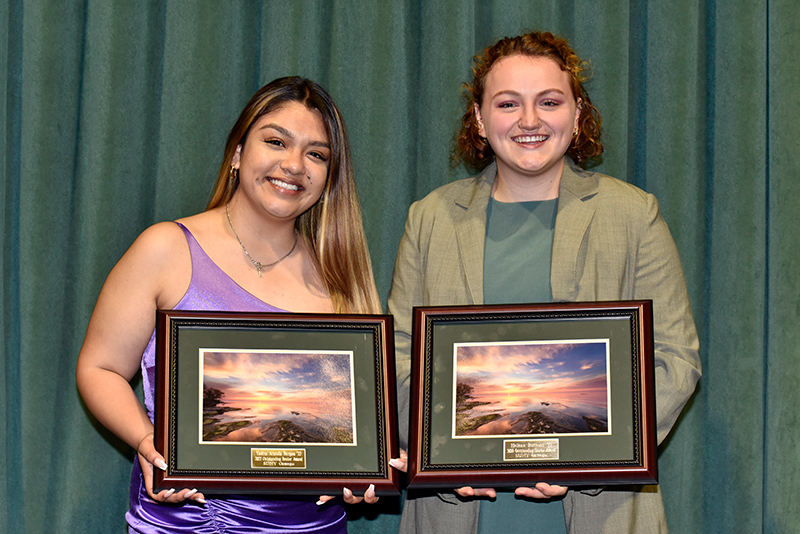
(158, 263)
(161, 239)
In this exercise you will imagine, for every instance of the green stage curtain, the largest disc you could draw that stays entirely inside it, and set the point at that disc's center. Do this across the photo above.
(114, 115)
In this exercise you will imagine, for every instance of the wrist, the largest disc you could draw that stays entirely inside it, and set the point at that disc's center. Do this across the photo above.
(139, 444)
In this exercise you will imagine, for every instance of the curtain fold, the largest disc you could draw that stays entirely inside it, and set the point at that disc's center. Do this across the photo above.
(782, 294)
(115, 116)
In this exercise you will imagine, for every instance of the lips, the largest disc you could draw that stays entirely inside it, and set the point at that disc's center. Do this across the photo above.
(284, 185)
(539, 138)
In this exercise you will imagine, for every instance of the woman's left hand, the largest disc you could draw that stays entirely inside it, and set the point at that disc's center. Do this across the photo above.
(369, 496)
(401, 464)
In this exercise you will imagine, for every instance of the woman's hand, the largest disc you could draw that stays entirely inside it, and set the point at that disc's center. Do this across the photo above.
(149, 457)
(468, 491)
(369, 496)
(542, 490)
(401, 464)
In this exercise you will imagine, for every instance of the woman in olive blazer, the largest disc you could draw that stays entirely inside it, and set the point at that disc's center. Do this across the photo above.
(610, 243)
(527, 117)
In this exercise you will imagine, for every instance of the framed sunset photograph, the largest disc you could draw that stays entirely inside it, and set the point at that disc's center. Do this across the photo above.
(531, 388)
(276, 396)
(275, 403)
(509, 395)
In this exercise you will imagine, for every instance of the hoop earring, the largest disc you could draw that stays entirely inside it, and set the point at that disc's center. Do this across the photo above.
(233, 175)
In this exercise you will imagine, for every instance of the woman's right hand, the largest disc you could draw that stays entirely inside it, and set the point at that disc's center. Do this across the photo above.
(149, 457)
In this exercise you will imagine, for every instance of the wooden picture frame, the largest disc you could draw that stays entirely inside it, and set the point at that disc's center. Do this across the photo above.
(506, 396)
(286, 403)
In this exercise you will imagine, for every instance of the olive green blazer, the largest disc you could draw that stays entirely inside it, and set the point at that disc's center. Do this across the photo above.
(609, 243)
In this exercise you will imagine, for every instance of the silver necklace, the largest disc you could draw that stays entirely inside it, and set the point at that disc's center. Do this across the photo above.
(257, 264)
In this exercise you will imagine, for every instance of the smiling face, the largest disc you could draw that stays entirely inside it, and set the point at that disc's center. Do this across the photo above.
(528, 114)
(283, 164)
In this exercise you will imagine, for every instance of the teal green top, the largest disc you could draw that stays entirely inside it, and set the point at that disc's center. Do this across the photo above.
(516, 269)
(519, 244)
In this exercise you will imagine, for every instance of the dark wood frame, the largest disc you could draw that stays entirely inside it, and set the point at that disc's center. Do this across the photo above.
(640, 468)
(376, 354)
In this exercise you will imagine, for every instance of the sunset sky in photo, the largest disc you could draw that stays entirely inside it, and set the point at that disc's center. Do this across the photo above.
(300, 381)
(516, 373)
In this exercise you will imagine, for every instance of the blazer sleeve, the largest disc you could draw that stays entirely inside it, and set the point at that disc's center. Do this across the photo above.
(405, 293)
(658, 275)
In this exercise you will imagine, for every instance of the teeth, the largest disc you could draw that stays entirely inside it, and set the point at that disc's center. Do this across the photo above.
(530, 138)
(281, 183)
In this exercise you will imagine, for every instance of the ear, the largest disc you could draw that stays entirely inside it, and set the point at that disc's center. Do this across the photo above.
(481, 129)
(237, 156)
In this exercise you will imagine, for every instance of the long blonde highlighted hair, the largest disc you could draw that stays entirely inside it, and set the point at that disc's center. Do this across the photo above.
(333, 227)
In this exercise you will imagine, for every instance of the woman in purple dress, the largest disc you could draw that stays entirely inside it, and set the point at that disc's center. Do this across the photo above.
(283, 231)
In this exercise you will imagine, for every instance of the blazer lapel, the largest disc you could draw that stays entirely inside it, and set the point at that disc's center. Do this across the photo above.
(575, 212)
(470, 224)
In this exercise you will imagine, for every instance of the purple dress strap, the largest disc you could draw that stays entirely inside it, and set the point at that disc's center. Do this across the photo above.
(211, 289)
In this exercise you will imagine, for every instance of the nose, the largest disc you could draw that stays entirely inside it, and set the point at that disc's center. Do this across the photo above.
(529, 120)
(293, 162)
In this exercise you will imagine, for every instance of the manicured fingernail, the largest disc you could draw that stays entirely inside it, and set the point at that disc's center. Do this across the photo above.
(161, 464)
(394, 463)
(190, 493)
(169, 493)
(320, 502)
(370, 490)
(347, 493)
(200, 500)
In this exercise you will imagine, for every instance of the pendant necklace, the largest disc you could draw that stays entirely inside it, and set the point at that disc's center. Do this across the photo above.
(257, 264)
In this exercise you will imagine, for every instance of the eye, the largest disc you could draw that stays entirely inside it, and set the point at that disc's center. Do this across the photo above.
(275, 142)
(550, 103)
(506, 104)
(318, 155)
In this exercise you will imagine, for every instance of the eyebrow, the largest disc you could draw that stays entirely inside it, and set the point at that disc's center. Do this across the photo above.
(517, 93)
(290, 135)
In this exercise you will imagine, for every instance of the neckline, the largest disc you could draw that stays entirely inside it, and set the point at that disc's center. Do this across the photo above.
(522, 202)
(226, 275)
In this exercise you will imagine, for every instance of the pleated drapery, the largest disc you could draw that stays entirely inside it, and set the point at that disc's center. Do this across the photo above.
(114, 116)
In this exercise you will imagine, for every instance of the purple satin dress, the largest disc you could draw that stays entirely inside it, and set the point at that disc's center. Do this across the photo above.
(212, 289)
